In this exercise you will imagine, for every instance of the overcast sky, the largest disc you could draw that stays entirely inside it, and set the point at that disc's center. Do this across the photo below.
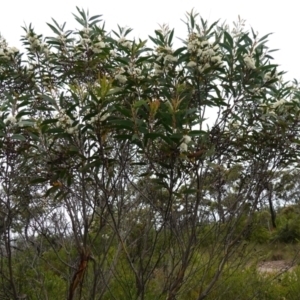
(279, 17)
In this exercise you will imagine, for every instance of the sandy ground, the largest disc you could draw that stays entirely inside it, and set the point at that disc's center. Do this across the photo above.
(276, 266)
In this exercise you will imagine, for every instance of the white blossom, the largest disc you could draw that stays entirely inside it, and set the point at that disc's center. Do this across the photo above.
(86, 31)
(124, 42)
(62, 38)
(216, 47)
(98, 118)
(157, 69)
(216, 59)
(70, 130)
(136, 72)
(113, 53)
(121, 78)
(268, 76)
(12, 50)
(104, 117)
(92, 120)
(208, 52)
(191, 64)
(64, 120)
(10, 119)
(100, 45)
(249, 61)
(199, 52)
(85, 42)
(279, 103)
(186, 139)
(183, 147)
(105, 236)
(191, 47)
(169, 49)
(235, 124)
(45, 49)
(96, 50)
(203, 68)
(75, 114)
(170, 58)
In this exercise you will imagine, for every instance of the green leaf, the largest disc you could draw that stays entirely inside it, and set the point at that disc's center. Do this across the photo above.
(228, 38)
(54, 29)
(73, 149)
(125, 112)
(159, 34)
(145, 174)
(49, 121)
(124, 123)
(197, 133)
(153, 135)
(170, 37)
(38, 180)
(178, 51)
(34, 136)
(189, 191)
(26, 123)
(123, 136)
(50, 100)
(19, 137)
(52, 190)
(139, 103)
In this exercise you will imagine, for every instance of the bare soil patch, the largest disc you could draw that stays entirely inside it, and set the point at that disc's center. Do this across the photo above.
(276, 266)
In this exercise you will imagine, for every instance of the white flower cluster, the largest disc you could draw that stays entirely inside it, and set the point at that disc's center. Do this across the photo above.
(85, 42)
(86, 32)
(65, 122)
(99, 45)
(202, 51)
(100, 117)
(184, 143)
(165, 54)
(5, 51)
(268, 76)
(8, 52)
(10, 119)
(234, 125)
(124, 42)
(278, 103)
(113, 53)
(249, 61)
(62, 38)
(191, 64)
(120, 75)
(165, 57)
(135, 72)
(36, 44)
(157, 69)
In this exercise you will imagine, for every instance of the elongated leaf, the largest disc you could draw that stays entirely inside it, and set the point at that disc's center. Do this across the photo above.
(38, 180)
(50, 100)
(19, 137)
(228, 38)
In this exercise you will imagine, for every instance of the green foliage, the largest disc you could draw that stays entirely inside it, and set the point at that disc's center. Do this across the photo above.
(288, 225)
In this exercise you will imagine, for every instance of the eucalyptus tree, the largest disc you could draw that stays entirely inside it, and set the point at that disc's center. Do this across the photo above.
(132, 169)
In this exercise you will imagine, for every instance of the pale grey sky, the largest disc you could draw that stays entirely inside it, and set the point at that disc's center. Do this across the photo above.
(281, 18)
